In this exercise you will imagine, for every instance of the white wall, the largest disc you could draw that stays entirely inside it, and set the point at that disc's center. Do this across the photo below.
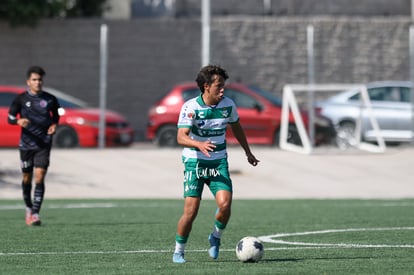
(119, 9)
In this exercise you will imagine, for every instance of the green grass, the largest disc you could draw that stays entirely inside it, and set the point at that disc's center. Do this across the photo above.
(137, 237)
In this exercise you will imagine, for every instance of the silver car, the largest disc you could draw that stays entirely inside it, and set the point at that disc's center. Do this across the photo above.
(391, 106)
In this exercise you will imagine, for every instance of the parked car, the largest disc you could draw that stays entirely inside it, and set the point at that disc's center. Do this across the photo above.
(259, 112)
(78, 125)
(391, 105)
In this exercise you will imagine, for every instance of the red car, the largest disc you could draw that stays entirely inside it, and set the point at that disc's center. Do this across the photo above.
(259, 112)
(78, 125)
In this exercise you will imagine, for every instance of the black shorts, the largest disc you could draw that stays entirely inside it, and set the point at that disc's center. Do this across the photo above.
(34, 158)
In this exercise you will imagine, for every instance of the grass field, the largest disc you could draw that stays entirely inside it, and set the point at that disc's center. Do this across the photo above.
(137, 237)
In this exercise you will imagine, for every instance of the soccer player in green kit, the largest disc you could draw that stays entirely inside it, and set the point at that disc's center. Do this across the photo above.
(202, 132)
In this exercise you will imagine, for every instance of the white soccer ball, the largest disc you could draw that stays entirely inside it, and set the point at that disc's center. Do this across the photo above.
(249, 250)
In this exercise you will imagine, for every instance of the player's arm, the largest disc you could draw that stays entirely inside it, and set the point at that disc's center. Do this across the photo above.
(55, 117)
(238, 132)
(184, 139)
(14, 112)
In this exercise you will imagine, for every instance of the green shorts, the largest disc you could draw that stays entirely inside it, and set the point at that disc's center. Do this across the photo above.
(215, 174)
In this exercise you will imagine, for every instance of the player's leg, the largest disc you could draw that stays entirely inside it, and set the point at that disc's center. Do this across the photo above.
(39, 192)
(41, 163)
(193, 189)
(26, 163)
(222, 189)
(223, 201)
(184, 226)
(191, 206)
(27, 195)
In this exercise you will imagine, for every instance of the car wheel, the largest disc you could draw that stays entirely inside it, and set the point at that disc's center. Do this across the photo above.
(66, 137)
(345, 135)
(167, 136)
(293, 136)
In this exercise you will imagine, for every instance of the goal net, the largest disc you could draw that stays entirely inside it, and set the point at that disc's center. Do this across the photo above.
(290, 104)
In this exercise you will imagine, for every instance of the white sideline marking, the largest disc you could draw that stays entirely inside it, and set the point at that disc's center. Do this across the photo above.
(87, 205)
(57, 253)
(91, 205)
(268, 239)
(277, 238)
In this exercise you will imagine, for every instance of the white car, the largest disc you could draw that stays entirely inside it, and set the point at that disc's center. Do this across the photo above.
(391, 105)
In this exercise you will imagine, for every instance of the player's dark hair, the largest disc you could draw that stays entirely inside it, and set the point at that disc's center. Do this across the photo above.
(206, 75)
(35, 70)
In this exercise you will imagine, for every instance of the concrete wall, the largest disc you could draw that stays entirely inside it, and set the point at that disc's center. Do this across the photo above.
(148, 56)
(297, 7)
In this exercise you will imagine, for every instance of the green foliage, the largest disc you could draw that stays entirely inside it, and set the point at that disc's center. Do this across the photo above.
(137, 237)
(29, 12)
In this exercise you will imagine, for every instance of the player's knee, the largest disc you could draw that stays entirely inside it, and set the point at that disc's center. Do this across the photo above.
(190, 214)
(40, 173)
(225, 205)
(27, 178)
(224, 210)
(189, 217)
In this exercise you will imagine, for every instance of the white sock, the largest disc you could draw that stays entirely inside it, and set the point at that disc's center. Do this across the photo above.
(179, 247)
(217, 232)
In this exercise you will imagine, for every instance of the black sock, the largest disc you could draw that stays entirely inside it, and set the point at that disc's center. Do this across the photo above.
(27, 194)
(38, 197)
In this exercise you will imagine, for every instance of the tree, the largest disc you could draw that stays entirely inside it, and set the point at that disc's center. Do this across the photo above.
(29, 12)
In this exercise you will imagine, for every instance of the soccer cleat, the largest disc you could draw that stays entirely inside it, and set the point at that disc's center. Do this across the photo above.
(178, 258)
(214, 246)
(28, 216)
(35, 219)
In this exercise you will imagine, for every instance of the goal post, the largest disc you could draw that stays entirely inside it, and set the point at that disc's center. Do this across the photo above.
(289, 103)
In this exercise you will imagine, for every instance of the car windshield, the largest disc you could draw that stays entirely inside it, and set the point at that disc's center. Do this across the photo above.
(66, 100)
(386, 94)
(190, 93)
(269, 96)
(68, 104)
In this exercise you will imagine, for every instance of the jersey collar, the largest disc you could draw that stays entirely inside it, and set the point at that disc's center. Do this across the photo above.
(201, 102)
(33, 94)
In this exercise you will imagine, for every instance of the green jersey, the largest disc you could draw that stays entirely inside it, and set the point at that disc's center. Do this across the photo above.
(207, 123)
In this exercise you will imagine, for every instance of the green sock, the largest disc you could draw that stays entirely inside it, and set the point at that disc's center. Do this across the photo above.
(180, 242)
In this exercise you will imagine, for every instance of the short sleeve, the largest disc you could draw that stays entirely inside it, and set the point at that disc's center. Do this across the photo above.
(187, 116)
(234, 117)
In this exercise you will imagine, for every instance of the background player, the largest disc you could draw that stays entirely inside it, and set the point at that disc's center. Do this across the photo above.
(36, 112)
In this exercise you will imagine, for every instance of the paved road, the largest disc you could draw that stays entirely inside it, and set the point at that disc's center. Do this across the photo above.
(144, 171)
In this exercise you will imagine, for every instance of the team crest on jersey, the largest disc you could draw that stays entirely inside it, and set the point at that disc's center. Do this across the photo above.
(43, 103)
(28, 104)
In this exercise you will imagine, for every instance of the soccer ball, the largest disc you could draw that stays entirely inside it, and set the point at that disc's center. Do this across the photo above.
(249, 250)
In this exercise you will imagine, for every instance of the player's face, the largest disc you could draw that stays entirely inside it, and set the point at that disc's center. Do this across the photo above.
(35, 83)
(215, 91)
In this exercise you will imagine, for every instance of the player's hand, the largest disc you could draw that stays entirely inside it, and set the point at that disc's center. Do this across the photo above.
(52, 129)
(206, 147)
(23, 122)
(252, 159)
